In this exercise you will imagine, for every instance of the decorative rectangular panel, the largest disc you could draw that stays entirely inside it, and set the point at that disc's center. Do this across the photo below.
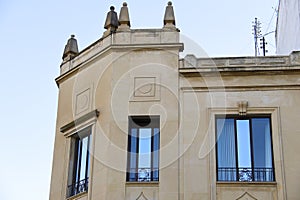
(145, 89)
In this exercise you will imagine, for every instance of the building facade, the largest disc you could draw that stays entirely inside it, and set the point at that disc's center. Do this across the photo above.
(288, 27)
(137, 122)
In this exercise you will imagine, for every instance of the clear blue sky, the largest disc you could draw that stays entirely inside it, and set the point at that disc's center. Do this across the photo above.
(33, 34)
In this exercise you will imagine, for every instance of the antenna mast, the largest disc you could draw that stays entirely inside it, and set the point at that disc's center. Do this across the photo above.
(263, 44)
(257, 34)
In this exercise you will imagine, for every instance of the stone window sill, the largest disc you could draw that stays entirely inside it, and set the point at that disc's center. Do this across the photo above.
(245, 184)
(143, 184)
(77, 196)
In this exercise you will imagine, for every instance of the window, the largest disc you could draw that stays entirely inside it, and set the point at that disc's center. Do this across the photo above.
(244, 149)
(143, 149)
(79, 165)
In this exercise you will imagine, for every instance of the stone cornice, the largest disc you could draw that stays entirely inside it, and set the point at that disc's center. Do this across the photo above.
(80, 120)
(133, 37)
(239, 70)
(241, 88)
(192, 66)
(75, 65)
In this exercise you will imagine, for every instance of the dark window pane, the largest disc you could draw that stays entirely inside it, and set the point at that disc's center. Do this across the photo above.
(78, 159)
(143, 149)
(79, 163)
(155, 162)
(155, 149)
(88, 156)
(226, 150)
(133, 140)
(244, 149)
(262, 149)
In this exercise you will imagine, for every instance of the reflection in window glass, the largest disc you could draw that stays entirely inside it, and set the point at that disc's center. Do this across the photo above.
(243, 140)
(79, 167)
(143, 148)
(244, 149)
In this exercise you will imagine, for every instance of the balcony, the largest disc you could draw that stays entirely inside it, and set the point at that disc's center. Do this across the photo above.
(143, 175)
(78, 187)
(246, 174)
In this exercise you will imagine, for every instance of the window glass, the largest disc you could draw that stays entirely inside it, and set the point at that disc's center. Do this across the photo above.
(262, 149)
(84, 157)
(261, 136)
(243, 141)
(244, 149)
(143, 148)
(226, 149)
(79, 166)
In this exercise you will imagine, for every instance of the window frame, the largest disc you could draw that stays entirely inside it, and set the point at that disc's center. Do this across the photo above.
(140, 122)
(74, 185)
(237, 167)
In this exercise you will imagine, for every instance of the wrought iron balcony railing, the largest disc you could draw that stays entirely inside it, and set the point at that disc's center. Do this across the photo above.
(78, 187)
(246, 174)
(143, 174)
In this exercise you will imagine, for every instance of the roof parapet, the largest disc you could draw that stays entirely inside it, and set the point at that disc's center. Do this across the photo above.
(71, 49)
(111, 22)
(295, 57)
(169, 19)
(124, 20)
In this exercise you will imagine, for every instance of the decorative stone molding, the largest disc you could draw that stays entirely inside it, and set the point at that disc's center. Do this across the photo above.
(142, 197)
(295, 57)
(190, 60)
(83, 101)
(246, 196)
(243, 108)
(146, 88)
(81, 120)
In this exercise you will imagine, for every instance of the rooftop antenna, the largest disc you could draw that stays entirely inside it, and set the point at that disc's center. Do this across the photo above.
(257, 34)
(263, 44)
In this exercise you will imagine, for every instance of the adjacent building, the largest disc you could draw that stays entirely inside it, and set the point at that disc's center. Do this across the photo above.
(288, 27)
(136, 121)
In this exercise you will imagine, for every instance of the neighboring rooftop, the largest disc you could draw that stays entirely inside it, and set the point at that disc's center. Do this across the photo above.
(190, 64)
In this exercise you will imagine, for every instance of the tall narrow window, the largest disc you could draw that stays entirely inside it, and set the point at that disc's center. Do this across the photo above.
(244, 149)
(143, 148)
(79, 166)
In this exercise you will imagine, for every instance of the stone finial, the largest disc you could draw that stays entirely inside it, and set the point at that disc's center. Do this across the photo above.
(71, 49)
(169, 19)
(112, 22)
(124, 20)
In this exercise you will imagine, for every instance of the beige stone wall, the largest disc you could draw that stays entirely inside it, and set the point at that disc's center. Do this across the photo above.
(140, 78)
(139, 73)
(274, 93)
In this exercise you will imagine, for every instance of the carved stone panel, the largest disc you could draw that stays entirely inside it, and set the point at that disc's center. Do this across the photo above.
(246, 196)
(144, 86)
(145, 89)
(140, 191)
(142, 197)
(83, 101)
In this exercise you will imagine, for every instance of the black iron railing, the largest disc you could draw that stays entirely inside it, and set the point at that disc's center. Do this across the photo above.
(78, 187)
(246, 174)
(143, 174)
